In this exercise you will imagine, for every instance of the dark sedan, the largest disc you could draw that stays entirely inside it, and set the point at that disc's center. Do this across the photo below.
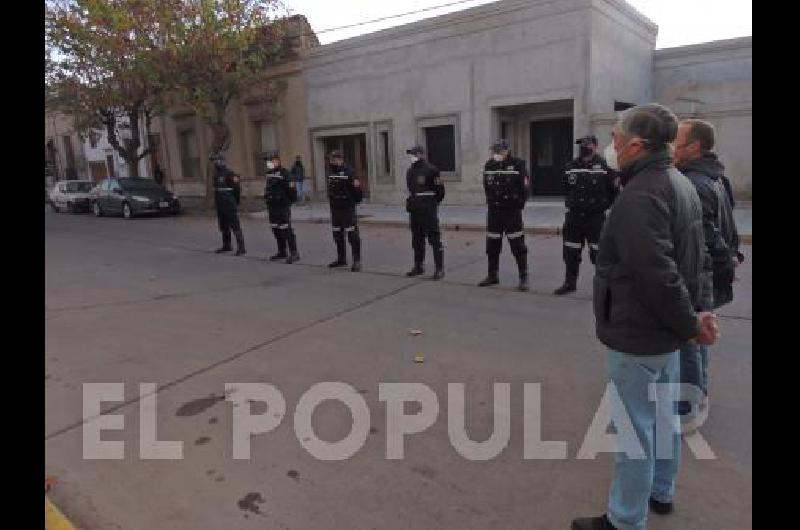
(129, 197)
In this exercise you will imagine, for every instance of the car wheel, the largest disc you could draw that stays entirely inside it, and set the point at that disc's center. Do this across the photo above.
(54, 206)
(98, 212)
(71, 207)
(127, 213)
(176, 208)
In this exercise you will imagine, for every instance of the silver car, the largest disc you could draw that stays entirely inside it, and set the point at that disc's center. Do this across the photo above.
(72, 196)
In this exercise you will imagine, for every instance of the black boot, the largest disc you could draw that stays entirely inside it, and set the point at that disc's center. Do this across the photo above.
(240, 250)
(593, 523)
(438, 259)
(341, 252)
(292, 241)
(522, 266)
(661, 508)
(491, 278)
(281, 241)
(416, 271)
(571, 279)
(355, 245)
(567, 287)
(226, 243)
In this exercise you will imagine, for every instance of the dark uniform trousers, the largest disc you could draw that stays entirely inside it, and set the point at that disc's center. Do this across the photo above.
(280, 219)
(228, 217)
(506, 221)
(344, 221)
(580, 228)
(424, 223)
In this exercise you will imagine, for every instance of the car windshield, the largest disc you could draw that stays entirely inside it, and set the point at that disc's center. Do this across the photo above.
(139, 185)
(78, 187)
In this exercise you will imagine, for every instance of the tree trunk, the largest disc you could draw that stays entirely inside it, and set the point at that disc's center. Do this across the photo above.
(220, 142)
(129, 152)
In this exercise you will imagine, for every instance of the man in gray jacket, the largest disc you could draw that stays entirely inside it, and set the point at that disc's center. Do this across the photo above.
(650, 279)
(695, 158)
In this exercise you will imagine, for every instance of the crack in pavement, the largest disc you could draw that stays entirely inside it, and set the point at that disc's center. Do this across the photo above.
(240, 354)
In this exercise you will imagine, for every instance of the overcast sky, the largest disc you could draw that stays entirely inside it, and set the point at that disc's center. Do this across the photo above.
(679, 22)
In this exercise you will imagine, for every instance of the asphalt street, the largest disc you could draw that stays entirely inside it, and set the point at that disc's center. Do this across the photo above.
(147, 301)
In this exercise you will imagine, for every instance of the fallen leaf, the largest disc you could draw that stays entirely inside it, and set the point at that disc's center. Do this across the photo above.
(49, 482)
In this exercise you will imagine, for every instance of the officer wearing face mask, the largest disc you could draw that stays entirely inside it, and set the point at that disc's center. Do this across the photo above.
(505, 181)
(589, 186)
(425, 192)
(344, 192)
(227, 191)
(279, 194)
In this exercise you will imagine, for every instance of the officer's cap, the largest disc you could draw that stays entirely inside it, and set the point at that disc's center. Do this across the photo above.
(588, 139)
(335, 154)
(500, 145)
(416, 150)
(271, 155)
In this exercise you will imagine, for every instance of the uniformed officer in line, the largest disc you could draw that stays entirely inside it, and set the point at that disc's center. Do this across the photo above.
(505, 181)
(227, 193)
(425, 192)
(344, 192)
(279, 194)
(590, 186)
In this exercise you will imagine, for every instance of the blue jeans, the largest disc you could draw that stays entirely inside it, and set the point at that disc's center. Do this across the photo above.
(637, 479)
(300, 194)
(694, 371)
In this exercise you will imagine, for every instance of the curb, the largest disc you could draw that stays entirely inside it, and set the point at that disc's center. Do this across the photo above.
(54, 519)
(534, 230)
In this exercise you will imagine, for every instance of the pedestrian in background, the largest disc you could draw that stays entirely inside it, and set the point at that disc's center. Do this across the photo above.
(298, 175)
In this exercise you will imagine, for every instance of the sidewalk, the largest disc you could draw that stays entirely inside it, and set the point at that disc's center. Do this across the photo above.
(539, 216)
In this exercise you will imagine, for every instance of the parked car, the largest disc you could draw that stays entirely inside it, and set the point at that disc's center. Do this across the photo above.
(72, 196)
(130, 197)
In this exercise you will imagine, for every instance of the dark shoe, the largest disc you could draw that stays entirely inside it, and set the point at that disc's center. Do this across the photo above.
(337, 263)
(438, 274)
(489, 280)
(564, 289)
(523, 283)
(416, 271)
(279, 256)
(220, 250)
(356, 266)
(240, 251)
(593, 523)
(294, 257)
(661, 508)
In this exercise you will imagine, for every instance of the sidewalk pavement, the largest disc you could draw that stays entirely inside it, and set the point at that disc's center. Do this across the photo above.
(539, 216)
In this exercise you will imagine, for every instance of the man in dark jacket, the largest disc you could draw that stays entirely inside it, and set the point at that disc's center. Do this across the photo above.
(280, 194)
(695, 158)
(649, 283)
(425, 192)
(505, 182)
(344, 193)
(227, 192)
(590, 187)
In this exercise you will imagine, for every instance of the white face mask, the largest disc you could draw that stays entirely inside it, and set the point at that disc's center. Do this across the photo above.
(413, 158)
(610, 154)
(270, 165)
(498, 157)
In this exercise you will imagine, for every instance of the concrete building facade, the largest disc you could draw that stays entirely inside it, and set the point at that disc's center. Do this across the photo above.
(536, 72)
(183, 139)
